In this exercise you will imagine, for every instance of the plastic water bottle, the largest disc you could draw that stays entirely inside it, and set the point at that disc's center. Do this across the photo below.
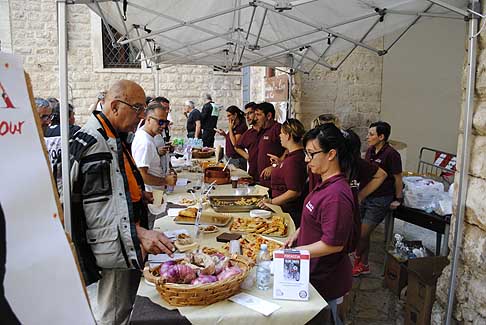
(263, 268)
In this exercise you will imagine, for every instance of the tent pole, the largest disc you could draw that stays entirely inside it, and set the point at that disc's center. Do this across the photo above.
(465, 153)
(64, 112)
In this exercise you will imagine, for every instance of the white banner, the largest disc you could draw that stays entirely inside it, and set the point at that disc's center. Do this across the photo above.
(42, 283)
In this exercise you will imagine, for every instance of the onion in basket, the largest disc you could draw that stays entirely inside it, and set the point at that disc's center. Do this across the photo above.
(202, 279)
(229, 272)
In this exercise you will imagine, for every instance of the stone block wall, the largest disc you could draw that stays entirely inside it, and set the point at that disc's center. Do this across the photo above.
(353, 92)
(34, 38)
(470, 303)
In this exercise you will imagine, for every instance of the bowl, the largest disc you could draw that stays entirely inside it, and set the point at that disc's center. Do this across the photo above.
(257, 213)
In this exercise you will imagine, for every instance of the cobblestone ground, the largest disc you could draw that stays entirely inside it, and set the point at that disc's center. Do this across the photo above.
(371, 302)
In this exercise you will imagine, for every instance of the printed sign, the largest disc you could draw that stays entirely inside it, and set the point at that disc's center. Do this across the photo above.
(291, 274)
(42, 283)
(277, 88)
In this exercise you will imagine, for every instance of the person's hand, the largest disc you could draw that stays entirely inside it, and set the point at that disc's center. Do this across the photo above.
(262, 205)
(148, 197)
(171, 179)
(220, 132)
(394, 205)
(162, 150)
(290, 242)
(154, 242)
(230, 123)
(266, 173)
(274, 159)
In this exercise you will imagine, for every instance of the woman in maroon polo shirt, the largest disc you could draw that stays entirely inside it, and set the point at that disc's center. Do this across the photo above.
(388, 196)
(327, 217)
(288, 177)
(236, 127)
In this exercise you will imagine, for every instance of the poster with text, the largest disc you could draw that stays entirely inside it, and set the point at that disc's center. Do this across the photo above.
(40, 279)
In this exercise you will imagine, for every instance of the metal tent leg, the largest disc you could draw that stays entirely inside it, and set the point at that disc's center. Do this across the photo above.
(465, 153)
(63, 90)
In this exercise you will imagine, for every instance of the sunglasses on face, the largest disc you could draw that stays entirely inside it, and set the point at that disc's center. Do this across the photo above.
(160, 121)
(136, 107)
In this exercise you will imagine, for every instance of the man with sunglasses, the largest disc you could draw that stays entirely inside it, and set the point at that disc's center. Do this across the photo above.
(109, 218)
(45, 113)
(145, 150)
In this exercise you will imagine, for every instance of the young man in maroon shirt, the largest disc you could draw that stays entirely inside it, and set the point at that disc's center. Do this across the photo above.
(388, 196)
(268, 141)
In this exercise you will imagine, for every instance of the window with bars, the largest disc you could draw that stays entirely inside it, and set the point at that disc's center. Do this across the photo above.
(123, 56)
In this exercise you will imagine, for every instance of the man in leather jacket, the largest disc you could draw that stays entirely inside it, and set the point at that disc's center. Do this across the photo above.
(109, 218)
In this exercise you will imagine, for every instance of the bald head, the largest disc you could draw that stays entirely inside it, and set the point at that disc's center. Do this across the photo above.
(121, 105)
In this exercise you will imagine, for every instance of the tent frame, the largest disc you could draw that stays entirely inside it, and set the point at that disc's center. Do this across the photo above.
(471, 16)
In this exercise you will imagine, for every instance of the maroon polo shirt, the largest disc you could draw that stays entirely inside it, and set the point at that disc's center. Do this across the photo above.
(249, 141)
(268, 143)
(290, 175)
(366, 171)
(327, 216)
(390, 161)
(314, 180)
(229, 148)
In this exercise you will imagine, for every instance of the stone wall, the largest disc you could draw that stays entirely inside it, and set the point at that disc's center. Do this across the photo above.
(34, 38)
(470, 304)
(353, 92)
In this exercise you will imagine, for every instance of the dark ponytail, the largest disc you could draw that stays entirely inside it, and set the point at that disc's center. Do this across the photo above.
(353, 146)
(330, 137)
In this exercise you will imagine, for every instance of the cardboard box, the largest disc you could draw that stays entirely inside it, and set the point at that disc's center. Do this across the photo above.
(422, 280)
(395, 274)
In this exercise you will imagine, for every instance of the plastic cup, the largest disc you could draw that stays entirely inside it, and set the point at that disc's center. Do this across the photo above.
(234, 181)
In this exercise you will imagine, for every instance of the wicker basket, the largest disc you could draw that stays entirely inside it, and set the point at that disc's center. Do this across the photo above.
(180, 295)
(198, 154)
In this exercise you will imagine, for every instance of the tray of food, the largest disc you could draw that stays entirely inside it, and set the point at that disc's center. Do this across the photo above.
(228, 203)
(250, 245)
(188, 217)
(276, 226)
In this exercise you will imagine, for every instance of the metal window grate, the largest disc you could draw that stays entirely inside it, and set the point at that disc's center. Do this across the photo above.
(123, 56)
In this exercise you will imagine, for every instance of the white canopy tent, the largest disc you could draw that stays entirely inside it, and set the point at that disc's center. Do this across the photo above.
(299, 35)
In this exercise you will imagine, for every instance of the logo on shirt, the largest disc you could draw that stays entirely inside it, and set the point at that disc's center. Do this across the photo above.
(378, 161)
(266, 137)
(309, 206)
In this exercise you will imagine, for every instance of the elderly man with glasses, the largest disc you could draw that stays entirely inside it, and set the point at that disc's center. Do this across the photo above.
(45, 113)
(109, 217)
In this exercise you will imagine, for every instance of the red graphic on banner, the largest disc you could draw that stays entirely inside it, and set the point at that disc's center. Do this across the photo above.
(5, 97)
(11, 128)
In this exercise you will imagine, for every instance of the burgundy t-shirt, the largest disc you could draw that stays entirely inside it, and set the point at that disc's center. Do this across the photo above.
(290, 175)
(268, 143)
(229, 148)
(327, 215)
(314, 180)
(390, 161)
(366, 171)
(249, 141)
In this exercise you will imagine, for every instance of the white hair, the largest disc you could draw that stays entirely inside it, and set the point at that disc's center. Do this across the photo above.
(190, 103)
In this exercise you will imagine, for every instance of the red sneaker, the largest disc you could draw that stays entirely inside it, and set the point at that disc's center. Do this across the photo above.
(360, 269)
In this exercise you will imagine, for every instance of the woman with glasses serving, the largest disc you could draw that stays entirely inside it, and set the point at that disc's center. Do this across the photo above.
(289, 176)
(327, 224)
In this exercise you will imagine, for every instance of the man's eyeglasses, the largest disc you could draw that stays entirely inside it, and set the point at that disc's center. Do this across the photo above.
(46, 117)
(136, 107)
(160, 121)
(311, 155)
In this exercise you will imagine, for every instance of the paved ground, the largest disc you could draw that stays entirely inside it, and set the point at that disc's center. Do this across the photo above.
(372, 304)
